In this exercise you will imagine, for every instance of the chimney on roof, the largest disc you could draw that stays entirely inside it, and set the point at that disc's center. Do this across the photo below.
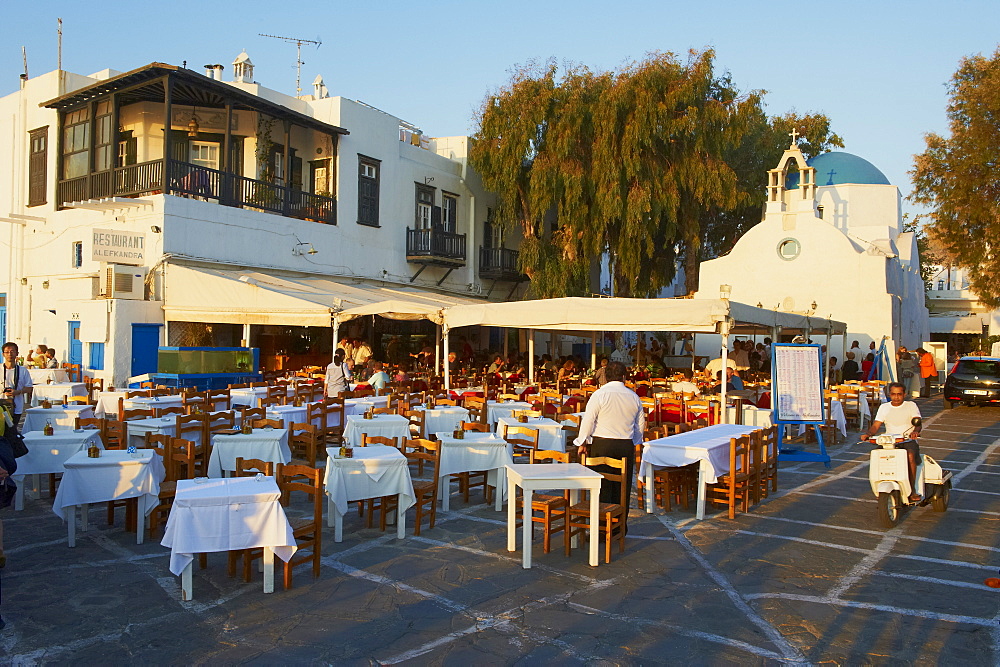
(214, 71)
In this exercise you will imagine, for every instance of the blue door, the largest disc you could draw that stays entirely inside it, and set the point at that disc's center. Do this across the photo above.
(145, 344)
(75, 348)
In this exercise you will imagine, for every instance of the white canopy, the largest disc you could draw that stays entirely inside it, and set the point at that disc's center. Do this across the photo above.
(622, 314)
(203, 294)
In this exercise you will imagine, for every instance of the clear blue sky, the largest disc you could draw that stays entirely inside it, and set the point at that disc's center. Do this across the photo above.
(878, 69)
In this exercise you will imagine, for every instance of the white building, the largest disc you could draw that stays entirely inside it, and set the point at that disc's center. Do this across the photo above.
(957, 317)
(831, 244)
(254, 218)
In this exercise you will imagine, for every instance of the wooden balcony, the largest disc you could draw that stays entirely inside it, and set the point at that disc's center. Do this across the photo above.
(189, 180)
(499, 264)
(435, 246)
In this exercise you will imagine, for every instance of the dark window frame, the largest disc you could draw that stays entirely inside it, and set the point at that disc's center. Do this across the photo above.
(75, 133)
(450, 226)
(369, 191)
(428, 200)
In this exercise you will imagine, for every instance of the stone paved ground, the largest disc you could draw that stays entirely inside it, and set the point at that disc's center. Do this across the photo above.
(808, 577)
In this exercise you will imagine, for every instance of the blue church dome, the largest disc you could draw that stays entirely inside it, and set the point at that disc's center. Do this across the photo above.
(837, 168)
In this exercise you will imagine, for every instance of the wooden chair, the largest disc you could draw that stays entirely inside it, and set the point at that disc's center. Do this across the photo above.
(217, 396)
(734, 488)
(132, 413)
(445, 401)
(250, 414)
(425, 491)
(612, 515)
(90, 423)
(138, 393)
(218, 421)
(194, 427)
(769, 478)
(178, 463)
(387, 410)
(335, 407)
(166, 412)
(194, 401)
(307, 530)
(523, 440)
(549, 508)
(77, 400)
(279, 394)
(477, 427)
(250, 467)
(316, 414)
(669, 484)
(303, 440)
(96, 386)
(418, 423)
(115, 434)
(367, 440)
(264, 423)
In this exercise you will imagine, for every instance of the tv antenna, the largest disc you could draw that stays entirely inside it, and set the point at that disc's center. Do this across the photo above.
(298, 55)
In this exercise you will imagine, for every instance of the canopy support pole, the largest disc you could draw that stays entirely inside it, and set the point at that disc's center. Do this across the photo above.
(336, 336)
(437, 350)
(447, 369)
(723, 412)
(506, 343)
(593, 350)
(246, 335)
(531, 356)
(694, 355)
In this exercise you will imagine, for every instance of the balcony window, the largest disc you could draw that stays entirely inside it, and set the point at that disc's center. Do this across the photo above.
(76, 144)
(368, 190)
(103, 153)
(38, 166)
(425, 206)
(449, 212)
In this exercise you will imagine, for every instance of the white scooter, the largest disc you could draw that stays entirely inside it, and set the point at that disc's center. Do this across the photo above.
(890, 479)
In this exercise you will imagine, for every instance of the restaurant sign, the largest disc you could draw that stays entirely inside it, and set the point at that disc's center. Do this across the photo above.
(118, 247)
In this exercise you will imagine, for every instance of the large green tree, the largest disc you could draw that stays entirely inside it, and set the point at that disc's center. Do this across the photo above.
(958, 177)
(658, 159)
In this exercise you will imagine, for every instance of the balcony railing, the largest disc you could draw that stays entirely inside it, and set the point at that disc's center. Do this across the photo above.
(435, 246)
(498, 263)
(191, 180)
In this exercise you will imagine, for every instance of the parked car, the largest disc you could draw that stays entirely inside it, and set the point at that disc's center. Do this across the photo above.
(973, 381)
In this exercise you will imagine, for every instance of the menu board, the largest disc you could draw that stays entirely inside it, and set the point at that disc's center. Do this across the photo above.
(797, 383)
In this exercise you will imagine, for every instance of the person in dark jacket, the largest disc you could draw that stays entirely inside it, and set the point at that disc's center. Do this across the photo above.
(850, 369)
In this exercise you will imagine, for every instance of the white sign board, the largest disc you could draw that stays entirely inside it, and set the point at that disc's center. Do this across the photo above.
(118, 247)
(797, 383)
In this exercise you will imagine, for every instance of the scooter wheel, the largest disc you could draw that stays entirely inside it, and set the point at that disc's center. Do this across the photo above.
(940, 502)
(890, 507)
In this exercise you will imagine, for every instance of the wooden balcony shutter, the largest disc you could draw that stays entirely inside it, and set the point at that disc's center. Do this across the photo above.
(38, 166)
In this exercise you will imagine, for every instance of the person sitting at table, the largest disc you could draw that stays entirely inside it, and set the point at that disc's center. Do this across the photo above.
(497, 366)
(38, 360)
(686, 386)
(454, 365)
(50, 358)
(567, 370)
(400, 374)
(734, 379)
(600, 375)
(337, 375)
(379, 378)
(717, 388)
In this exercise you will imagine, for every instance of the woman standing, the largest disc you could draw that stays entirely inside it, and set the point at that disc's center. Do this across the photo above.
(337, 375)
(907, 368)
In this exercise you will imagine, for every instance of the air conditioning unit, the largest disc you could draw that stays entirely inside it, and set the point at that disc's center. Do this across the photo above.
(122, 282)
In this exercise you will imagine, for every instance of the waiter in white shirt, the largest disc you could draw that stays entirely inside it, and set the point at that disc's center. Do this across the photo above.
(612, 426)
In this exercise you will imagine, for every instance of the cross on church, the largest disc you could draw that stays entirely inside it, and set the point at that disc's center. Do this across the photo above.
(794, 134)
(831, 174)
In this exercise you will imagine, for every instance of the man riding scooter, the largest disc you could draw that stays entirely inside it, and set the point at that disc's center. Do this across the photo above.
(897, 417)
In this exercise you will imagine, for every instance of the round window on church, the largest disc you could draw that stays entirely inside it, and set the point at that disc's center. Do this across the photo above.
(789, 249)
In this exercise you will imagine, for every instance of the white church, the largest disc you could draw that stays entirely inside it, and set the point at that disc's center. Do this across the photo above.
(831, 244)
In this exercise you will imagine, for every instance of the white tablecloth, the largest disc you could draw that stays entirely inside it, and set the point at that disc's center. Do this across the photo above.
(41, 375)
(107, 404)
(550, 433)
(250, 396)
(225, 515)
(362, 404)
(62, 417)
(47, 453)
(390, 426)
(56, 391)
(476, 451)
(266, 445)
(138, 429)
(444, 419)
(710, 444)
(115, 475)
(154, 403)
(495, 411)
(374, 472)
(287, 413)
